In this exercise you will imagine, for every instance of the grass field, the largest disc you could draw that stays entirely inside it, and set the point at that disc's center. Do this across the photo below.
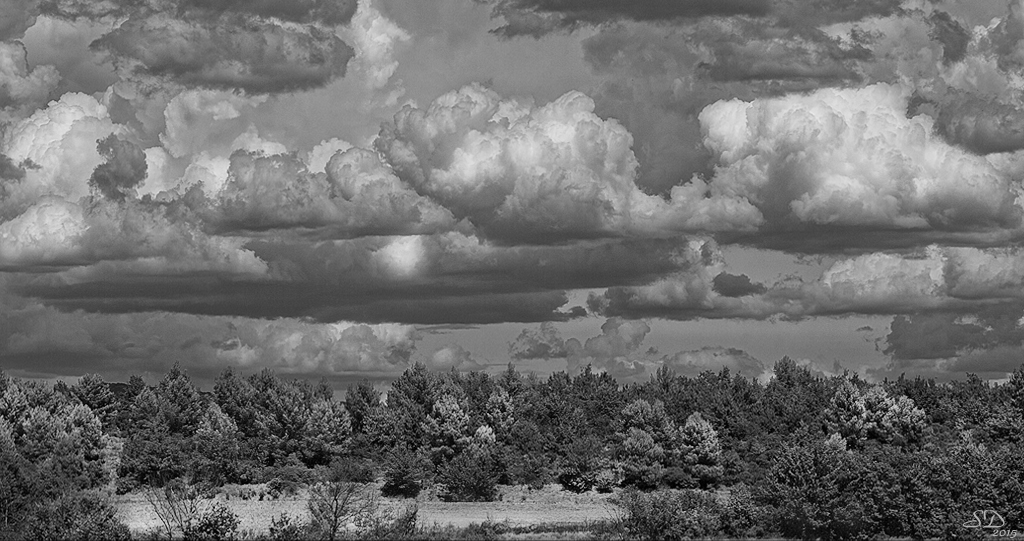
(518, 506)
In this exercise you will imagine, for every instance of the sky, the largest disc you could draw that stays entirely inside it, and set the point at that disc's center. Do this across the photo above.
(339, 189)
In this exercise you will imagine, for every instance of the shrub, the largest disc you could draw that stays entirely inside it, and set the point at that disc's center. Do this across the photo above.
(334, 504)
(286, 528)
(669, 515)
(393, 524)
(470, 477)
(676, 477)
(216, 524)
(605, 481)
(76, 516)
(405, 473)
(584, 457)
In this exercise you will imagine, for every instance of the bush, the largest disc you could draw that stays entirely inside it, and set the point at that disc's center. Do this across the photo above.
(393, 524)
(470, 477)
(584, 457)
(676, 477)
(405, 473)
(286, 528)
(334, 504)
(76, 516)
(669, 515)
(605, 481)
(217, 524)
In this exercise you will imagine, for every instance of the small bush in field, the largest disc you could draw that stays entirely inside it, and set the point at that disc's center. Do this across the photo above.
(405, 473)
(216, 524)
(77, 516)
(286, 528)
(605, 481)
(670, 515)
(393, 525)
(470, 477)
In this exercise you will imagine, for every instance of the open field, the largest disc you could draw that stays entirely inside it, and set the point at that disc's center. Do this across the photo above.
(518, 506)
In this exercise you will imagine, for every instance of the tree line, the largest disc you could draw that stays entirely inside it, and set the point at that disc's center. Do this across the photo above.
(803, 455)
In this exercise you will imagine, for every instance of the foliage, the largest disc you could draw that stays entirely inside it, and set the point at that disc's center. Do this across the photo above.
(583, 459)
(669, 514)
(215, 524)
(470, 476)
(405, 472)
(77, 515)
(335, 503)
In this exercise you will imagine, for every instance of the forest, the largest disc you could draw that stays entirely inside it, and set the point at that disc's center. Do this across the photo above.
(719, 455)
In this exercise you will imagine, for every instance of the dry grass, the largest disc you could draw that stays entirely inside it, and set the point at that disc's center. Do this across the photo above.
(517, 507)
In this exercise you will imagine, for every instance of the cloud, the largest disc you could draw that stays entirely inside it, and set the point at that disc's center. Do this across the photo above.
(115, 239)
(538, 17)
(124, 169)
(693, 363)
(48, 342)
(22, 89)
(261, 47)
(429, 279)
(16, 16)
(988, 341)
(545, 342)
(357, 196)
(958, 280)
(736, 285)
(227, 53)
(375, 38)
(541, 174)
(452, 356)
(851, 158)
(57, 148)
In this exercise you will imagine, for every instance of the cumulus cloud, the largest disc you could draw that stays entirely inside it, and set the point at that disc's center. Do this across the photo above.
(375, 38)
(22, 89)
(693, 363)
(452, 356)
(988, 341)
(114, 239)
(851, 157)
(545, 342)
(124, 169)
(934, 280)
(44, 341)
(57, 148)
(357, 196)
(541, 174)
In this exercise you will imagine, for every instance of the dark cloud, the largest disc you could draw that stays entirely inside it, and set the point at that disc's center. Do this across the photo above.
(124, 169)
(263, 46)
(331, 12)
(429, 280)
(230, 52)
(984, 126)
(931, 336)
(538, 17)
(736, 285)
(16, 16)
(951, 34)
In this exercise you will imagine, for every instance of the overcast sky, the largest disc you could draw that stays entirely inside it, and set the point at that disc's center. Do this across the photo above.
(338, 189)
